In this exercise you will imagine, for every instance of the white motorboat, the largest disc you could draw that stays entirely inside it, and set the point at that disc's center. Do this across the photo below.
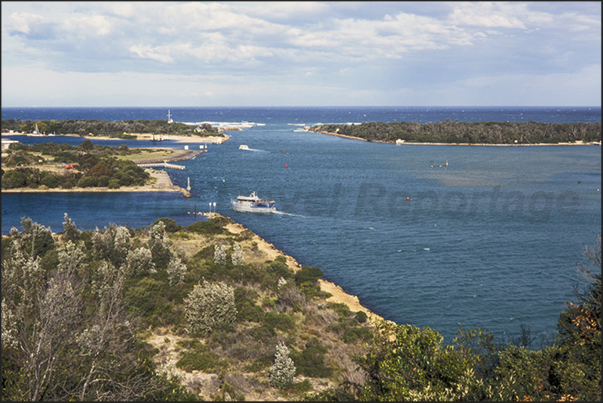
(253, 204)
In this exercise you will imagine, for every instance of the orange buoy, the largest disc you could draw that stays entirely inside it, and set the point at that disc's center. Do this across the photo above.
(286, 166)
(283, 151)
(408, 199)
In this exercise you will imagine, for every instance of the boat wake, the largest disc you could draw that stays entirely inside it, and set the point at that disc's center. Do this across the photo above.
(289, 214)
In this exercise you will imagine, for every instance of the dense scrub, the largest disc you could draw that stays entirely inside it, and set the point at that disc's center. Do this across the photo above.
(469, 132)
(94, 127)
(85, 165)
(82, 313)
(406, 363)
(117, 287)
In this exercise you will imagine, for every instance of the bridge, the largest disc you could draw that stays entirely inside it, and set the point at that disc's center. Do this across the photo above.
(162, 165)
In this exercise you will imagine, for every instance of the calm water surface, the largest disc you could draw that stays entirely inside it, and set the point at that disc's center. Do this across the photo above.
(490, 240)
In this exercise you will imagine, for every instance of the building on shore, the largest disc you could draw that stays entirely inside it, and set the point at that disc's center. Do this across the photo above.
(6, 143)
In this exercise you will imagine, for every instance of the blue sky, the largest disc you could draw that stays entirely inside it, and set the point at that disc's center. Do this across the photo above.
(301, 53)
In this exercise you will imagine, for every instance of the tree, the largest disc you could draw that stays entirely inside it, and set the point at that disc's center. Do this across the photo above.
(70, 233)
(282, 371)
(112, 244)
(87, 145)
(87, 181)
(219, 254)
(176, 271)
(66, 334)
(237, 255)
(159, 245)
(35, 239)
(406, 363)
(139, 262)
(47, 310)
(99, 170)
(13, 179)
(209, 306)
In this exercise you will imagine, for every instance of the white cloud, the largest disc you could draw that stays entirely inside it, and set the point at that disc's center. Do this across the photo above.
(488, 14)
(146, 52)
(385, 48)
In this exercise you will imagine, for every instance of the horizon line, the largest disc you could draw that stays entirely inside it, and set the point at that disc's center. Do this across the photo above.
(316, 106)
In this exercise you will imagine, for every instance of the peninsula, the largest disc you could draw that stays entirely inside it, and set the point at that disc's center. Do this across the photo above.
(468, 133)
(213, 312)
(50, 167)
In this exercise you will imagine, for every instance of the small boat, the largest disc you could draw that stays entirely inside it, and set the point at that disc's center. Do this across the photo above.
(253, 204)
(243, 147)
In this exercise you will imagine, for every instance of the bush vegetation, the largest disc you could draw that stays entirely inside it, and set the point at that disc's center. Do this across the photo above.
(117, 129)
(254, 325)
(93, 166)
(469, 132)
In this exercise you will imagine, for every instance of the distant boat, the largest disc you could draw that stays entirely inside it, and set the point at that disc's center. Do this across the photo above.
(253, 204)
(243, 147)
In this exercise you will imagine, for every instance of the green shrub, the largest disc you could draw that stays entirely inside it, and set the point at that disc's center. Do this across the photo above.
(259, 364)
(310, 361)
(354, 334)
(263, 333)
(170, 224)
(300, 387)
(245, 302)
(13, 179)
(361, 317)
(200, 361)
(103, 180)
(280, 321)
(308, 274)
(342, 310)
(144, 295)
(279, 268)
(113, 184)
(215, 226)
(51, 180)
(205, 253)
(87, 181)
(244, 236)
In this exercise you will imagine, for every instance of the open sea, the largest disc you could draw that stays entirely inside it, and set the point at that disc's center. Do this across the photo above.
(490, 240)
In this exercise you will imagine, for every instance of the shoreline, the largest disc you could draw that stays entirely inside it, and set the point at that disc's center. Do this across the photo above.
(577, 143)
(338, 295)
(162, 184)
(142, 136)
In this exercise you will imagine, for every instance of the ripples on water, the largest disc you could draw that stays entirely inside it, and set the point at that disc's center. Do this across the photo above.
(491, 240)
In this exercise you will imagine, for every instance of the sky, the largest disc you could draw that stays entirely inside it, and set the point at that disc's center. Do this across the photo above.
(292, 53)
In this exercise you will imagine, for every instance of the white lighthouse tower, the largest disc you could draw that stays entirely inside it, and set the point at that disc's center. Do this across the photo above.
(170, 117)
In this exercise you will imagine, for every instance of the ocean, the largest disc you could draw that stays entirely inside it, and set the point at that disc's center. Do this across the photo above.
(488, 237)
